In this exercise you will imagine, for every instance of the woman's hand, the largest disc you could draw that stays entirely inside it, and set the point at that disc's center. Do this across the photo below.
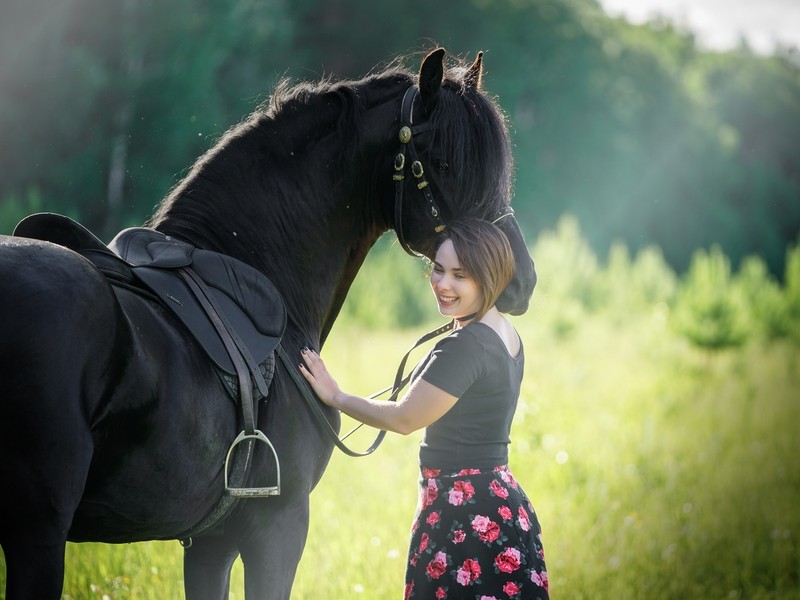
(422, 405)
(316, 373)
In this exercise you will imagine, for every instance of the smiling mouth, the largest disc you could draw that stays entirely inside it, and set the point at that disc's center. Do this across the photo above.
(447, 300)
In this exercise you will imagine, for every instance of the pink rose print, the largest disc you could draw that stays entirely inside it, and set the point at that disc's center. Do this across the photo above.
(498, 490)
(432, 519)
(430, 473)
(463, 472)
(511, 589)
(524, 521)
(540, 579)
(488, 598)
(431, 492)
(408, 591)
(508, 478)
(469, 572)
(487, 530)
(508, 561)
(441, 593)
(460, 493)
(437, 566)
(459, 535)
(423, 542)
(505, 513)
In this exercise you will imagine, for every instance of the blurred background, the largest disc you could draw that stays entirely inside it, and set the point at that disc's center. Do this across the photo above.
(657, 145)
(648, 133)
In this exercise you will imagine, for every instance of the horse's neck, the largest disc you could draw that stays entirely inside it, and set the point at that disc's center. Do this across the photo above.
(308, 228)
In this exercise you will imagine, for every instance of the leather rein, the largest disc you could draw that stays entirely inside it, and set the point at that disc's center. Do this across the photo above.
(399, 383)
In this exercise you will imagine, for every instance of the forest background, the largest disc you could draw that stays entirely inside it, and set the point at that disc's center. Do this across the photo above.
(658, 184)
(635, 130)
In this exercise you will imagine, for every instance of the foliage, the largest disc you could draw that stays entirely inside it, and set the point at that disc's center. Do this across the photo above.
(643, 136)
(792, 293)
(643, 458)
(655, 473)
(767, 304)
(377, 301)
(709, 308)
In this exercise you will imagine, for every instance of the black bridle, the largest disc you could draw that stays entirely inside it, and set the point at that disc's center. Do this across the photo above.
(406, 136)
(407, 132)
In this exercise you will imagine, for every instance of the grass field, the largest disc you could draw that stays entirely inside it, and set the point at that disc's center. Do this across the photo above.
(658, 470)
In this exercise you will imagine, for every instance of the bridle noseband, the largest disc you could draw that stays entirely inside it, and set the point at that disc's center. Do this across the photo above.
(407, 132)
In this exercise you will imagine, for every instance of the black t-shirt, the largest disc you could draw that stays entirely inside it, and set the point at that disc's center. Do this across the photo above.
(474, 365)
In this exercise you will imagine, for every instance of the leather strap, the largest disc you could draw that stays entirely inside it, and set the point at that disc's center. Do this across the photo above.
(407, 132)
(314, 404)
(247, 370)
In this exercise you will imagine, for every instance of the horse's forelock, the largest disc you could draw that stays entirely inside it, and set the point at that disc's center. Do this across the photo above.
(472, 131)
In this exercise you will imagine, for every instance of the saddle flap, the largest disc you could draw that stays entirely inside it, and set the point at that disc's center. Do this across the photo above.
(248, 299)
(58, 229)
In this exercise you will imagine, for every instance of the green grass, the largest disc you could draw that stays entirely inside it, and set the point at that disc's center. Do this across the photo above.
(657, 471)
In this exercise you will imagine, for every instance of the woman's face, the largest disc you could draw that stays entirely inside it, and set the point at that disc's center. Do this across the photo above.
(457, 293)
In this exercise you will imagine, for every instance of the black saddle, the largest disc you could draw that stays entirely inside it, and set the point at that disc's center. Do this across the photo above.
(146, 257)
(233, 311)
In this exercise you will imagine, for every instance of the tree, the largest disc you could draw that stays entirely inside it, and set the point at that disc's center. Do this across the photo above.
(709, 310)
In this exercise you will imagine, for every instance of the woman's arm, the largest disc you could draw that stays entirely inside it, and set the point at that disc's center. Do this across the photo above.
(423, 404)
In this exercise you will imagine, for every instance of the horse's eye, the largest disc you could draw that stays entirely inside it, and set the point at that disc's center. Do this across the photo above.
(441, 165)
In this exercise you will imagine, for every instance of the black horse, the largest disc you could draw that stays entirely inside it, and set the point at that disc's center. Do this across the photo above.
(114, 425)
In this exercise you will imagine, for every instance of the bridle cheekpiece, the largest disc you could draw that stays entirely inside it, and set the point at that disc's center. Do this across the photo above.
(406, 136)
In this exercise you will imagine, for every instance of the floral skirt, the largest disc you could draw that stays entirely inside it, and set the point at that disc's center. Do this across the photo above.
(475, 535)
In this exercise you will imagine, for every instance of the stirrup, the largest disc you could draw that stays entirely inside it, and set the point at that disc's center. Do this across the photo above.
(252, 492)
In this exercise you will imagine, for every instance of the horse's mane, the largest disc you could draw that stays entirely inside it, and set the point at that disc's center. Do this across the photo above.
(298, 114)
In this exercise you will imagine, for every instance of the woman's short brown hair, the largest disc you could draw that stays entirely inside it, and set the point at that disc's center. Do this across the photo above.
(484, 252)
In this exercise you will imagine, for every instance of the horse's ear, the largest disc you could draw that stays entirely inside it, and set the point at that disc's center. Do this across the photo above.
(430, 78)
(474, 75)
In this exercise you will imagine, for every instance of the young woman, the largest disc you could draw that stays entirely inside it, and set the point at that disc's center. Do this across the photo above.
(475, 534)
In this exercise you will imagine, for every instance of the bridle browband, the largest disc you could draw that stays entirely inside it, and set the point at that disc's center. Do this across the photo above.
(407, 132)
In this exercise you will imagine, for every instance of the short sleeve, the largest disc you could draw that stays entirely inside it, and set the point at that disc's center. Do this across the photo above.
(455, 363)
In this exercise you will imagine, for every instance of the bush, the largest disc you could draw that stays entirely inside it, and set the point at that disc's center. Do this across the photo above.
(766, 310)
(13, 209)
(710, 311)
(391, 291)
(791, 299)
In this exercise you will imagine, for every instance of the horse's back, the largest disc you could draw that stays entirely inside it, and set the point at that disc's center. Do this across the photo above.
(52, 304)
(105, 406)
(53, 307)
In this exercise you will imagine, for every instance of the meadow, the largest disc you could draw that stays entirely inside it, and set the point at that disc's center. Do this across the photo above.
(662, 465)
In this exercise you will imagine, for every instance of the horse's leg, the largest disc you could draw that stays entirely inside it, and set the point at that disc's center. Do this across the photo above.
(207, 567)
(46, 457)
(271, 549)
(34, 570)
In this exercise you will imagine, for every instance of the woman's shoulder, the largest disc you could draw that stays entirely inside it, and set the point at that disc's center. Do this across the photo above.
(501, 330)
